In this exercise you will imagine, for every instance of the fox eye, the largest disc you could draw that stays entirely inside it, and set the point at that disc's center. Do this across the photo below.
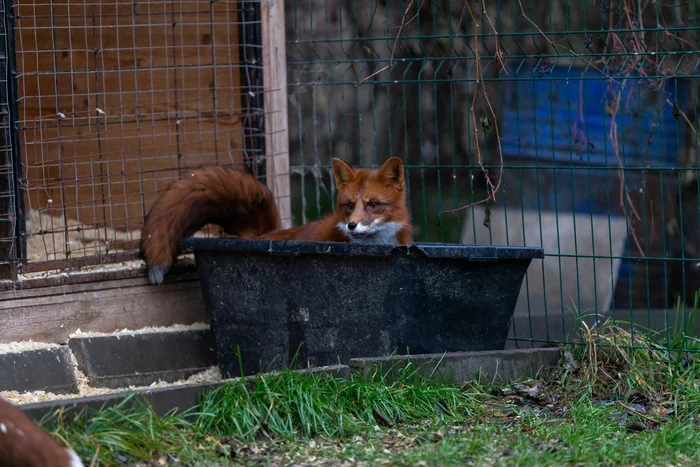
(350, 205)
(373, 204)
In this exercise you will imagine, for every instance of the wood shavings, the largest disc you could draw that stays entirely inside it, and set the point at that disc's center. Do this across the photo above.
(16, 347)
(210, 375)
(146, 330)
(50, 237)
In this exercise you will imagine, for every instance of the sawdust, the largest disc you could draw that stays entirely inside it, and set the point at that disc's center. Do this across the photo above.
(134, 265)
(15, 347)
(146, 330)
(50, 238)
(210, 375)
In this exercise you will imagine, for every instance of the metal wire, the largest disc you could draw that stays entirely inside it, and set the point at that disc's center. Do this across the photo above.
(116, 99)
(567, 125)
(596, 108)
(11, 207)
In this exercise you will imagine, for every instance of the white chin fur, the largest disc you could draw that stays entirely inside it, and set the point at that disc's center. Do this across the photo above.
(74, 459)
(373, 233)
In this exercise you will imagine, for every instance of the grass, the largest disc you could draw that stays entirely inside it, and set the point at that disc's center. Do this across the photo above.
(605, 404)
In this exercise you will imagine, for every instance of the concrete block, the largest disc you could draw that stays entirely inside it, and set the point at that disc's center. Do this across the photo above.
(123, 360)
(462, 367)
(48, 369)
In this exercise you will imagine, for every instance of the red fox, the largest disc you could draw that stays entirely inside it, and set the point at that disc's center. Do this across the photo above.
(25, 444)
(371, 208)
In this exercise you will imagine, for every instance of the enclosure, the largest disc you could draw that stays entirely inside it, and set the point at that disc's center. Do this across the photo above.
(570, 126)
(562, 126)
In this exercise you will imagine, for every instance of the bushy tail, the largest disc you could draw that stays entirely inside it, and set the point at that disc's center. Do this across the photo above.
(232, 199)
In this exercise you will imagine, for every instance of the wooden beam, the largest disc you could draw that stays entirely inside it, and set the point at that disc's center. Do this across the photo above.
(275, 84)
(51, 314)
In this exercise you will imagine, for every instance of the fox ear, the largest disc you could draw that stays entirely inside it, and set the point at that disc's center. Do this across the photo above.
(342, 172)
(391, 173)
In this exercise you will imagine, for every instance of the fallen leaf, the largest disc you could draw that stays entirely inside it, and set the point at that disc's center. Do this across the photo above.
(639, 408)
(637, 397)
(570, 363)
(620, 416)
(381, 418)
(636, 426)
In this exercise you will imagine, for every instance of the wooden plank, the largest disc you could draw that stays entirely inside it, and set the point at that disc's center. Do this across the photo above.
(99, 307)
(180, 270)
(275, 84)
(90, 287)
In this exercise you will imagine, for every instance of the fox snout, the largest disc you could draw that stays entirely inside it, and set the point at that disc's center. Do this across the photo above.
(356, 229)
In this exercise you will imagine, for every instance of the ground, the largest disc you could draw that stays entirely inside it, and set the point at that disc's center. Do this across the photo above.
(605, 405)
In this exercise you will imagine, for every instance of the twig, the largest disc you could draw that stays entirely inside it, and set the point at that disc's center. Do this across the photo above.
(480, 84)
(638, 413)
(687, 120)
(555, 45)
(393, 50)
(499, 54)
(94, 458)
(366, 33)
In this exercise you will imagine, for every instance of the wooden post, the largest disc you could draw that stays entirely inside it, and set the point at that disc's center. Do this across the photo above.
(275, 84)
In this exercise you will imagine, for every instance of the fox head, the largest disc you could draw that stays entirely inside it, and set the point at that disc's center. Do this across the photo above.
(372, 204)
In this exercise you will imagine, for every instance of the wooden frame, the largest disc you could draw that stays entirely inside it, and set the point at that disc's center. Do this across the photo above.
(51, 307)
(51, 314)
(58, 204)
(276, 123)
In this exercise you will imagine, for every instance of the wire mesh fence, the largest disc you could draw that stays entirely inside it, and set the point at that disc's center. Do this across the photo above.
(566, 125)
(116, 99)
(10, 202)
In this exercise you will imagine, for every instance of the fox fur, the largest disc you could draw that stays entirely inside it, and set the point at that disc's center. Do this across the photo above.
(371, 208)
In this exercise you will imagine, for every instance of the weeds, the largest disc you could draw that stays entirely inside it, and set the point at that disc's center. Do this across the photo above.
(617, 398)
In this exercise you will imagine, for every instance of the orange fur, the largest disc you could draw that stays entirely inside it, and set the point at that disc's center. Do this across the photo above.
(25, 444)
(373, 202)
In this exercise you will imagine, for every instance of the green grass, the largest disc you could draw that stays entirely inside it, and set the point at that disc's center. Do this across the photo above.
(616, 399)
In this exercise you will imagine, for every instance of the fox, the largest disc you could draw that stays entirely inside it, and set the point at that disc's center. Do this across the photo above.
(371, 207)
(23, 443)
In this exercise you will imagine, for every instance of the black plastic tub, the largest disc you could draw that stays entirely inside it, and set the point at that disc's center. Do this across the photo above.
(325, 303)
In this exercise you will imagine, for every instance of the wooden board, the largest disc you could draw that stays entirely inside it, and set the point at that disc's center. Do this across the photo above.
(116, 96)
(276, 123)
(51, 314)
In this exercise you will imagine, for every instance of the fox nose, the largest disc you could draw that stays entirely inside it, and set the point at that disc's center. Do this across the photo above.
(352, 225)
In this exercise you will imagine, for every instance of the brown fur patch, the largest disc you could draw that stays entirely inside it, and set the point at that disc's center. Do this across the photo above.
(245, 208)
(23, 443)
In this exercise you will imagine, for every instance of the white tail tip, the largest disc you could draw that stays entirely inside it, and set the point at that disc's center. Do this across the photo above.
(74, 459)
